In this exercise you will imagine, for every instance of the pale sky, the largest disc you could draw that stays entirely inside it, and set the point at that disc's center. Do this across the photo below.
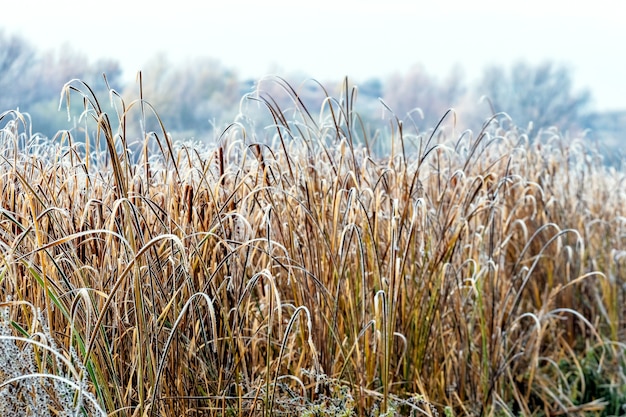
(330, 39)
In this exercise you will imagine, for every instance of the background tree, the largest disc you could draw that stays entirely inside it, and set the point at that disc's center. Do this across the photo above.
(404, 93)
(190, 97)
(53, 70)
(540, 94)
(17, 59)
(32, 81)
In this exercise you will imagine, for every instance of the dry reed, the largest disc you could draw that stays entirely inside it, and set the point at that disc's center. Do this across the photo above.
(299, 273)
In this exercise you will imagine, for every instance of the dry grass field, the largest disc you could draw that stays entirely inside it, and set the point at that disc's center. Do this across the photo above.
(474, 273)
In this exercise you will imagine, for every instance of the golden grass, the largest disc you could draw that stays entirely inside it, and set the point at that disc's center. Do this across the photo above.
(300, 274)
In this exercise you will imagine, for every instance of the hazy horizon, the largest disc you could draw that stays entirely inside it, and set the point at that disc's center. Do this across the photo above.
(329, 40)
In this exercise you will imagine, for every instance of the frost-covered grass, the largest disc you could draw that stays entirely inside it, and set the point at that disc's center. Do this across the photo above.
(296, 272)
(36, 378)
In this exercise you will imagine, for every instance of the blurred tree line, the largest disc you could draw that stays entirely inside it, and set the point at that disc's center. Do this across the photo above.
(31, 80)
(196, 98)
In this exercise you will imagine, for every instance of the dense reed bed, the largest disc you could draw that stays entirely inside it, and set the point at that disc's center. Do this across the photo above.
(298, 272)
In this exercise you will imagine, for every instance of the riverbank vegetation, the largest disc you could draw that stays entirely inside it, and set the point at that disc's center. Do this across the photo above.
(290, 269)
